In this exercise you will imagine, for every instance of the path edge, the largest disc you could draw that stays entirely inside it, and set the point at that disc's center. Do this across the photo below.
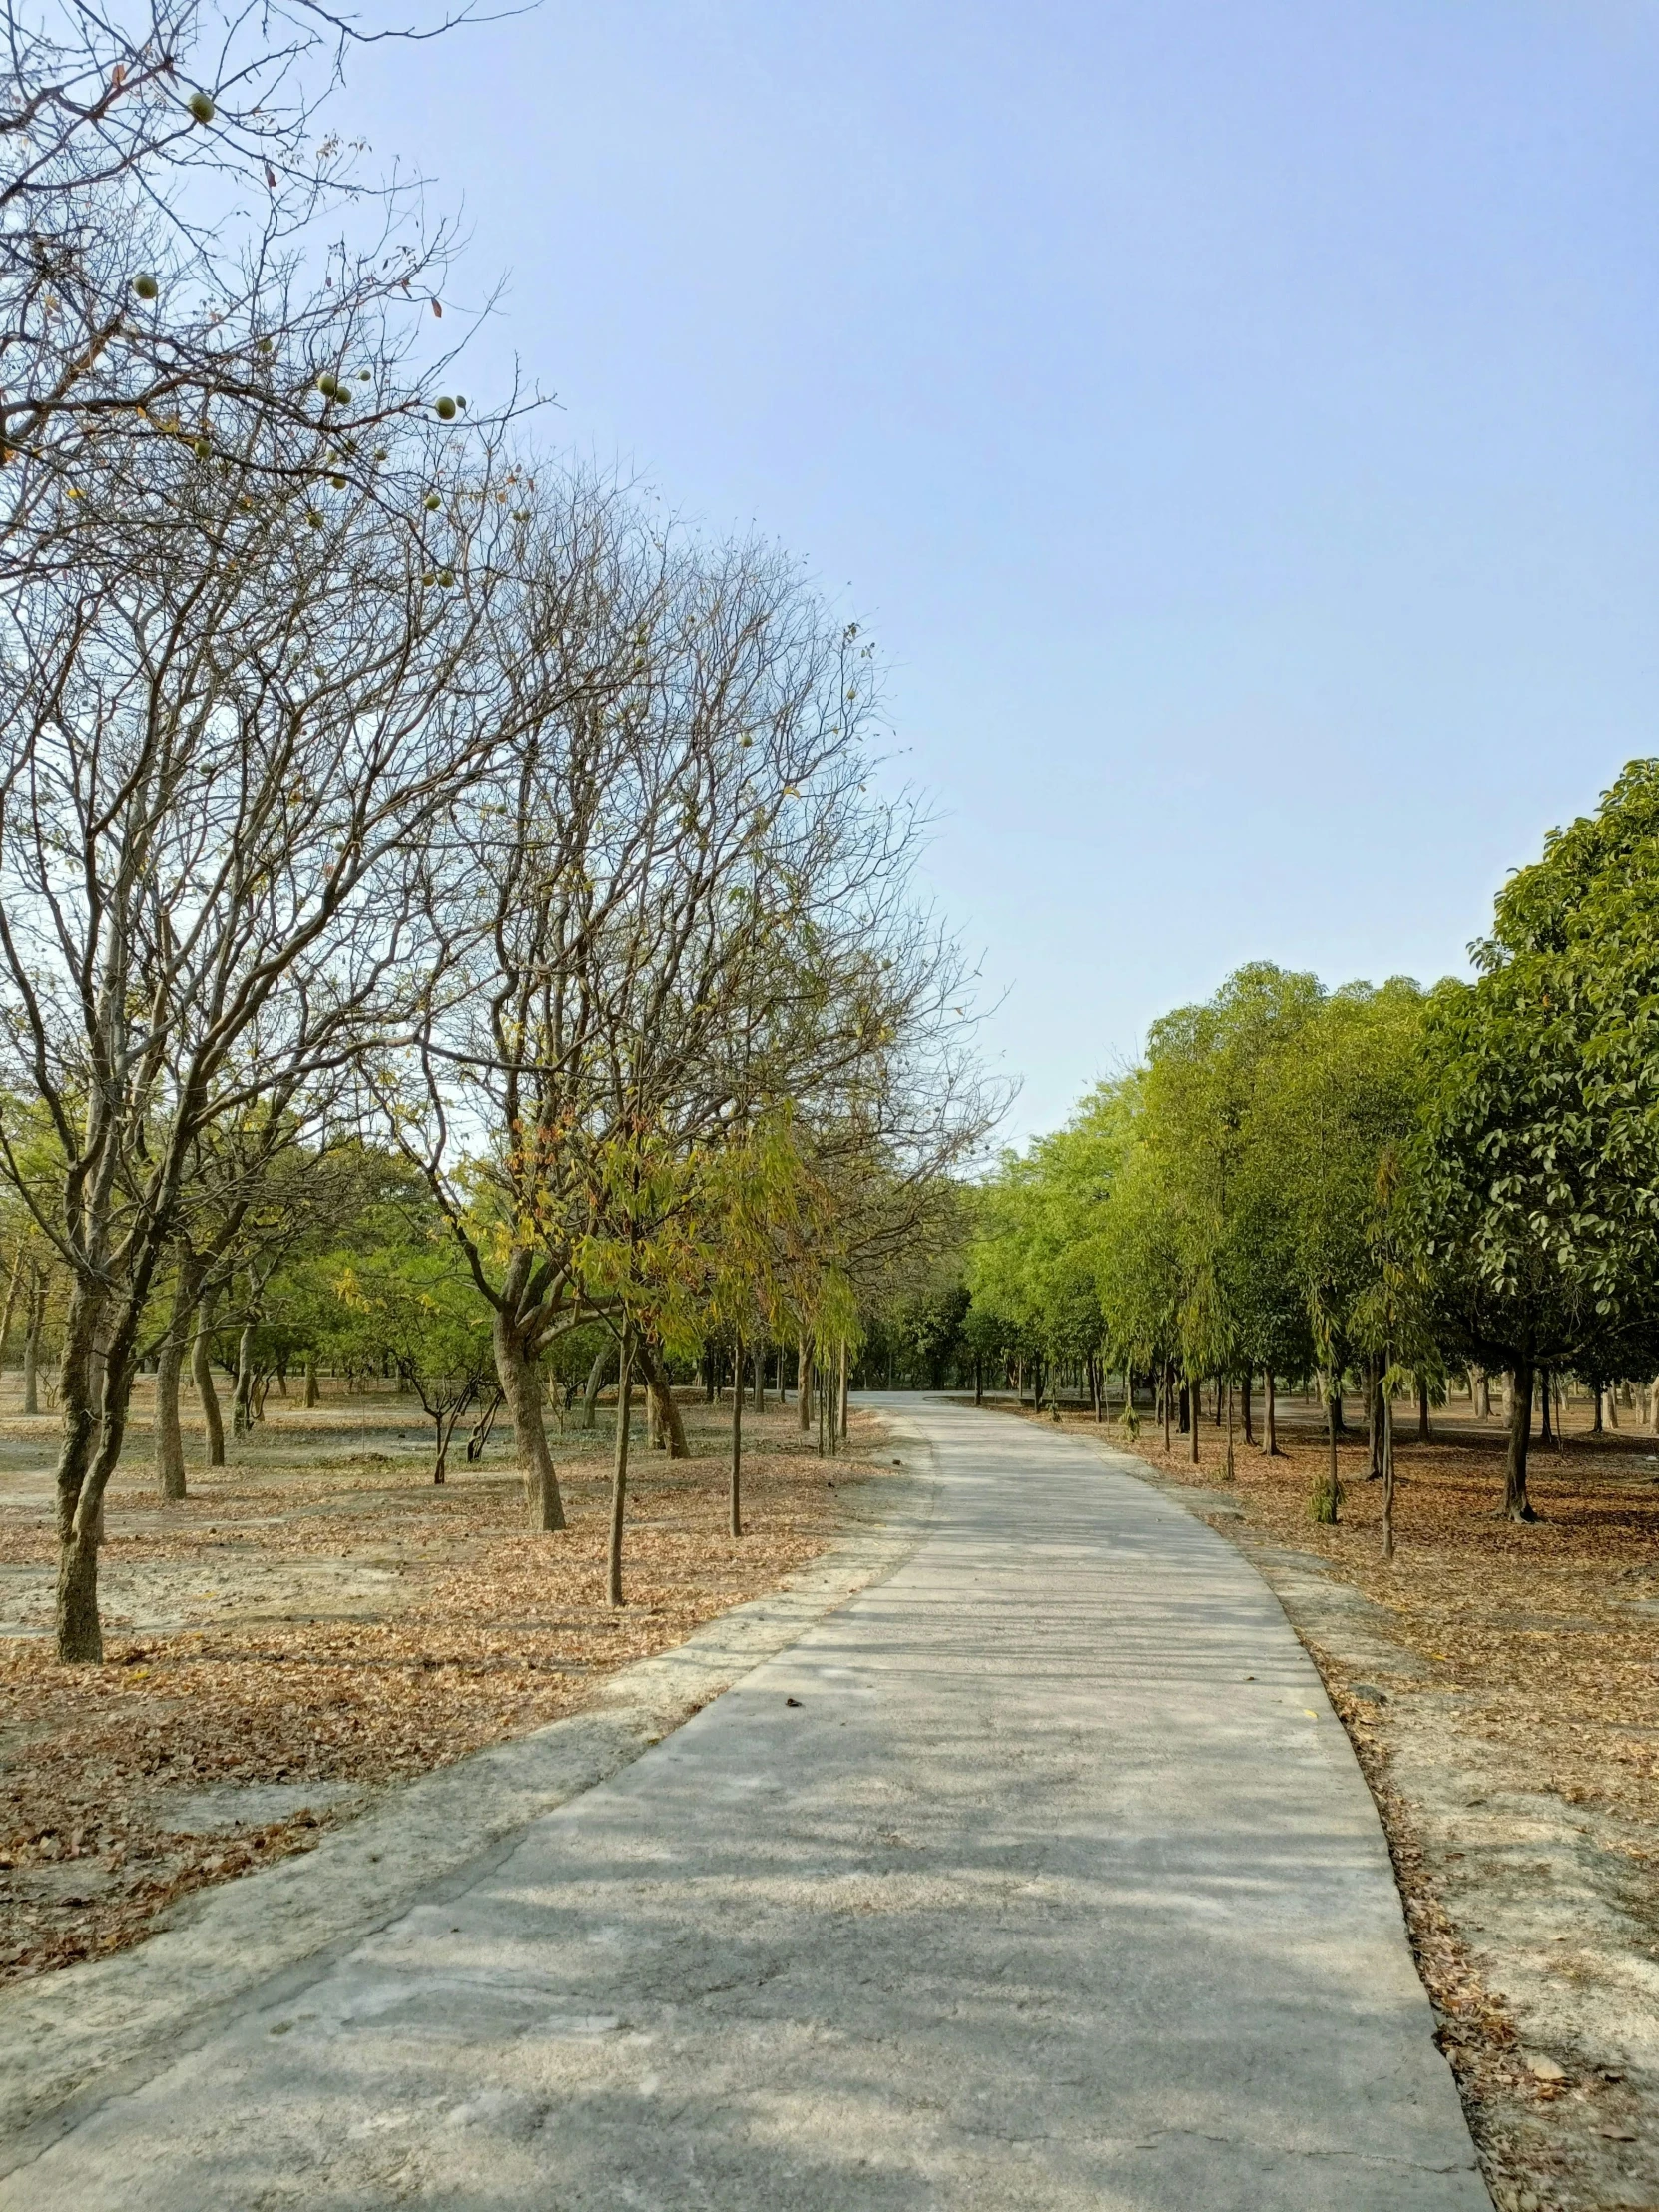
(73, 2038)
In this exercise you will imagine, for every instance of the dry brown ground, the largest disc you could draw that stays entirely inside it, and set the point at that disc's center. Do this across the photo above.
(1500, 1685)
(317, 1621)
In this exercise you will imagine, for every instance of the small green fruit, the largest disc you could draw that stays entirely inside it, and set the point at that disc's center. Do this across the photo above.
(446, 577)
(146, 286)
(459, 402)
(381, 454)
(431, 577)
(338, 482)
(363, 377)
(434, 502)
(446, 410)
(265, 345)
(203, 449)
(315, 519)
(200, 106)
(328, 386)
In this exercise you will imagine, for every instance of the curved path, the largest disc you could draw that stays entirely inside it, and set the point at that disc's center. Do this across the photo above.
(1039, 1876)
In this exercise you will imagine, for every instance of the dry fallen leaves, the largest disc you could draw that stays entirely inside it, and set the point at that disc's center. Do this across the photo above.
(473, 1631)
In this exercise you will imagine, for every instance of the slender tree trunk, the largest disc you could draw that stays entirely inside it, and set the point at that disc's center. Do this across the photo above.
(1230, 1472)
(1595, 1419)
(1167, 1395)
(619, 1471)
(1327, 1499)
(521, 1386)
(1546, 1427)
(1517, 1504)
(1426, 1429)
(169, 1437)
(12, 1282)
(1373, 1418)
(202, 1375)
(760, 1378)
(805, 1381)
(734, 1520)
(1612, 1406)
(241, 1398)
(595, 1383)
(843, 1392)
(1194, 1400)
(979, 1381)
(31, 1349)
(1184, 1418)
(1389, 1478)
(1247, 1409)
(1269, 1427)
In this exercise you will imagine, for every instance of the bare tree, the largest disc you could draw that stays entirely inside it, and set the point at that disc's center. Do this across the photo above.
(235, 728)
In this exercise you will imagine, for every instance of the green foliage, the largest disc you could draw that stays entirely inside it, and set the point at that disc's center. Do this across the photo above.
(1539, 1155)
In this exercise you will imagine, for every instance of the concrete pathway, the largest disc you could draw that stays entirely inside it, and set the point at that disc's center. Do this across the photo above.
(1039, 1876)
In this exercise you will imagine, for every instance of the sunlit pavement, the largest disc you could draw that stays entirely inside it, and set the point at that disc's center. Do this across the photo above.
(1040, 1875)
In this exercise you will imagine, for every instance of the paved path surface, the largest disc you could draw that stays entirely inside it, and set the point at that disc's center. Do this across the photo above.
(1040, 1875)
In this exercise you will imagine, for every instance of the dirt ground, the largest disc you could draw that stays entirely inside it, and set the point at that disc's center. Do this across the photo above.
(317, 1621)
(1499, 1684)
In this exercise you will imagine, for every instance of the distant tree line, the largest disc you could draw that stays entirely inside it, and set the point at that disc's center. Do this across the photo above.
(1391, 1184)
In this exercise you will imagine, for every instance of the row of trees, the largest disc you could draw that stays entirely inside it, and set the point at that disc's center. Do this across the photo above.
(374, 791)
(1387, 1181)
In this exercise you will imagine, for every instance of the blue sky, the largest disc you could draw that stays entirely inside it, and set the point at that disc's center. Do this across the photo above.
(1237, 422)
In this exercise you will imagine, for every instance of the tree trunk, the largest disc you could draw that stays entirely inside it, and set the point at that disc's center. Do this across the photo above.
(313, 1397)
(619, 1470)
(169, 1437)
(1329, 1497)
(1546, 1427)
(521, 1386)
(12, 1282)
(241, 1398)
(1230, 1470)
(595, 1383)
(1246, 1410)
(31, 1349)
(1595, 1417)
(1195, 1397)
(1517, 1504)
(843, 1392)
(663, 1398)
(1388, 1475)
(734, 1520)
(1425, 1426)
(978, 1381)
(804, 1380)
(1184, 1410)
(760, 1378)
(1167, 1381)
(1269, 1427)
(1373, 1420)
(1612, 1406)
(202, 1375)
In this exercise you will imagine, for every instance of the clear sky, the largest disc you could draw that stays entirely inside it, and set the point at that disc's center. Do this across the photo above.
(1234, 417)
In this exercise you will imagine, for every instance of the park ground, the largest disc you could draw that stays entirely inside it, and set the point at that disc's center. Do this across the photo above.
(1499, 1684)
(317, 1621)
